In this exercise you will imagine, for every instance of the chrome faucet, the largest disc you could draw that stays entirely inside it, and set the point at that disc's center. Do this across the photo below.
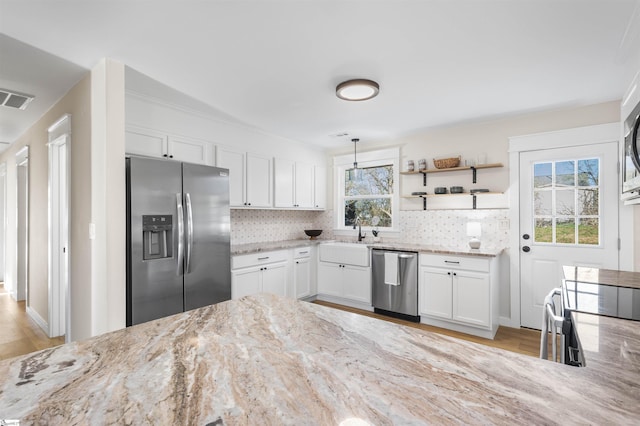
(360, 234)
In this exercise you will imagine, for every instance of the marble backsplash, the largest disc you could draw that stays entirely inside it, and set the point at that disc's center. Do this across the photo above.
(432, 227)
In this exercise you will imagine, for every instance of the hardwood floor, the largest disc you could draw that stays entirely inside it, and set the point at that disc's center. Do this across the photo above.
(521, 340)
(18, 333)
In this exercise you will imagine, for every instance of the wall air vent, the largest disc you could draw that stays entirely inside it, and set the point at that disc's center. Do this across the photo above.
(12, 99)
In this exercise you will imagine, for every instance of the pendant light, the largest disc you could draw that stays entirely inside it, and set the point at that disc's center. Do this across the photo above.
(353, 173)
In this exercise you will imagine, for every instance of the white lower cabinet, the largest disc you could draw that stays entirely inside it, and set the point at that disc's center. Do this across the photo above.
(459, 293)
(264, 272)
(346, 282)
(302, 267)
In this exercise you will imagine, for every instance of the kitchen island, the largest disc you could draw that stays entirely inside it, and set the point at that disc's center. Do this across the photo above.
(269, 360)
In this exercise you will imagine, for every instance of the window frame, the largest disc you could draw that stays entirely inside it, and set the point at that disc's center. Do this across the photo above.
(342, 163)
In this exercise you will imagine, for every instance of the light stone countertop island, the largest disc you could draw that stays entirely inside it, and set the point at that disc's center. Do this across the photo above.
(269, 360)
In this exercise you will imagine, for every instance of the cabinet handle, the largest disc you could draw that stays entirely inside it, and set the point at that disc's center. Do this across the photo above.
(263, 258)
(448, 273)
(297, 262)
(451, 261)
(164, 155)
(455, 275)
(303, 252)
(171, 156)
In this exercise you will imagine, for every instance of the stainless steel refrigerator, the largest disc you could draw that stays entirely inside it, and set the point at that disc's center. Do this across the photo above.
(178, 222)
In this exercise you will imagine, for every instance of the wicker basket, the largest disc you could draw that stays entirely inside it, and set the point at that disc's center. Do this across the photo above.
(446, 163)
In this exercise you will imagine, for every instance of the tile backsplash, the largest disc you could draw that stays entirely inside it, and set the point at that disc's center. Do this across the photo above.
(433, 227)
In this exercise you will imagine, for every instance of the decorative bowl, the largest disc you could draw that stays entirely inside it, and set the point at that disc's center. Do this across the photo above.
(440, 190)
(456, 190)
(313, 233)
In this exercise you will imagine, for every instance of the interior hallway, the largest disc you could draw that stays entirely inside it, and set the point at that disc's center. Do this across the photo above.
(18, 333)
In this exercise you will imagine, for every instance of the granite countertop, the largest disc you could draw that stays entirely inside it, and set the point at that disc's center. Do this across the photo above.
(602, 276)
(423, 248)
(271, 360)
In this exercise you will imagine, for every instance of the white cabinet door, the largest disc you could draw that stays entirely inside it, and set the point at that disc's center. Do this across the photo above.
(330, 278)
(245, 282)
(320, 187)
(145, 142)
(356, 283)
(259, 179)
(283, 177)
(304, 185)
(436, 293)
(274, 278)
(302, 277)
(234, 161)
(190, 150)
(471, 298)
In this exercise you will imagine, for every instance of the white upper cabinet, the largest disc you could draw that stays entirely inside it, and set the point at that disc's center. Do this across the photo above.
(295, 184)
(320, 187)
(146, 142)
(259, 179)
(250, 178)
(153, 143)
(235, 162)
(190, 150)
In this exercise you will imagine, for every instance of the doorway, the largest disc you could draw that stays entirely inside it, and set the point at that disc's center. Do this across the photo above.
(3, 215)
(59, 144)
(565, 211)
(22, 215)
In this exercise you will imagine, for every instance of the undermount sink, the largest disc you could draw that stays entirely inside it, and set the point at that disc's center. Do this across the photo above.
(345, 253)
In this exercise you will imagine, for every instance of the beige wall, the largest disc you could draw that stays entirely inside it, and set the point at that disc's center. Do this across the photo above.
(77, 103)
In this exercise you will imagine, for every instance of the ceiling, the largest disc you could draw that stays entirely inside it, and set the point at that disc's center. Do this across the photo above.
(274, 64)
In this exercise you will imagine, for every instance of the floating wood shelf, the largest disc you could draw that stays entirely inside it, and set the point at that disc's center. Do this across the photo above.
(474, 195)
(452, 169)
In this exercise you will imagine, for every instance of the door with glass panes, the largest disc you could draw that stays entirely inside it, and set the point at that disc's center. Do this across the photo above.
(568, 216)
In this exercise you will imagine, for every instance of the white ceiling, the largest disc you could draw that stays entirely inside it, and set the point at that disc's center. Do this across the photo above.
(275, 64)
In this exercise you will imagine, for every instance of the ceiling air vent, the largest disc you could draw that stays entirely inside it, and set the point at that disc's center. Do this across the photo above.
(13, 99)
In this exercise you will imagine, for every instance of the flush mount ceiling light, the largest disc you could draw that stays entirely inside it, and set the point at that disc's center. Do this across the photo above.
(357, 90)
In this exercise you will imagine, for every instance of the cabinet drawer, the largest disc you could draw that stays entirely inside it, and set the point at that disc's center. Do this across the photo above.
(471, 263)
(301, 252)
(260, 258)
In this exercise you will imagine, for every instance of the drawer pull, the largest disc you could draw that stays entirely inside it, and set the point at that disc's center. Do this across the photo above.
(263, 258)
(303, 252)
(451, 261)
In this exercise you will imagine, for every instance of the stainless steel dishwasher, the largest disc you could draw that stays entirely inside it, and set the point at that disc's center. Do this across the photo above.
(394, 274)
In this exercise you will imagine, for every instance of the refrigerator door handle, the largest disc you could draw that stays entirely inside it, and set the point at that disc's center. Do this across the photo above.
(189, 233)
(180, 213)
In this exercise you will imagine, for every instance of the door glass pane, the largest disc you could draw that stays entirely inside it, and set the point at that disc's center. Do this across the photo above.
(542, 202)
(366, 209)
(543, 231)
(589, 172)
(565, 173)
(565, 202)
(542, 177)
(566, 199)
(588, 202)
(588, 231)
(566, 230)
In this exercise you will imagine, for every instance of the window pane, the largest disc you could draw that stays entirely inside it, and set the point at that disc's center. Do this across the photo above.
(369, 181)
(566, 230)
(588, 172)
(588, 231)
(543, 231)
(588, 201)
(542, 203)
(365, 210)
(565, 173)
(542, 175)
(565, 202)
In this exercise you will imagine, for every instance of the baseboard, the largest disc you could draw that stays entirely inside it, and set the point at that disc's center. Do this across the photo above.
(44, 325)
(346, 302)
(509, 322)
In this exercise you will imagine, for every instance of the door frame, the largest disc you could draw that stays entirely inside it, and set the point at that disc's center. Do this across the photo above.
(59, 134)
(22, 160)
(588, 135)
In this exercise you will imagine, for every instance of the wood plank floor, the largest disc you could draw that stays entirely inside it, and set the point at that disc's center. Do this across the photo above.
(521, 340)
(19, 334)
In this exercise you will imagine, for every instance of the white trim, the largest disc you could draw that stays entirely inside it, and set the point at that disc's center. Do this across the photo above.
(60, 127)
(588, 135)
(38, 319)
